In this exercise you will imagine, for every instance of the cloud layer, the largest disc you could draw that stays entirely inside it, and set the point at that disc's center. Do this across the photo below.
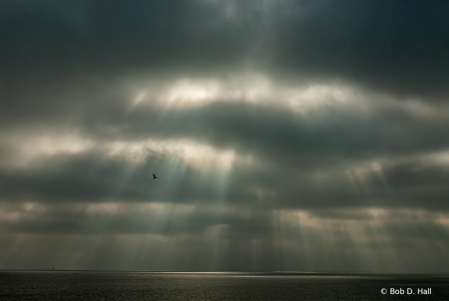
(301, 135)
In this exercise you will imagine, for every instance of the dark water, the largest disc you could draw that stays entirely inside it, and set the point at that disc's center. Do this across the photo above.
(89, 285)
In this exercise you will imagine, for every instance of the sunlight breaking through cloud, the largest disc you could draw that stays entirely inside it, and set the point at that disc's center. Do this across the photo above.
(28, 148)
(255, 89)
(285, 135)
(196, 154)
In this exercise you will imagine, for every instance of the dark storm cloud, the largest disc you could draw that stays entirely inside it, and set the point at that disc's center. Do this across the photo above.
(288, 149)
(134, 218)
(92, 177)
(54, 56)
(57, 56)
(396, 46)
(338, 131)
(62, 43)
(306, 141)
(243, 239)
(78, 66)
(354, 132)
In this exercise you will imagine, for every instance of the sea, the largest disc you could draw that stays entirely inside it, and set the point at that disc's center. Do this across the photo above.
(146, 285)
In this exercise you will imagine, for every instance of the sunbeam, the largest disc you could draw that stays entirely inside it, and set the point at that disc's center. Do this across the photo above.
(304, 136)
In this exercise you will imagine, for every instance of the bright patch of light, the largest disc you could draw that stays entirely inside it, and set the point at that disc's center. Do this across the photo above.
(189, 92)
(317, 95)
(7, 216)
(94, 209)
(376, 166)
(139, 97)
(160, 208)
(50, 145)
(31, 146)
(31, 149)
(439, 158)
(131, 151)
(255, 89)
(34, 207)
(199, 155)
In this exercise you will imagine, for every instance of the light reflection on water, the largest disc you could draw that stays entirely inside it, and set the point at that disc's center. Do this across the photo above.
(144, 285)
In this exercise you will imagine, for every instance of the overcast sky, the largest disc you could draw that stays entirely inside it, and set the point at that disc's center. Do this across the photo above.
(286, 135)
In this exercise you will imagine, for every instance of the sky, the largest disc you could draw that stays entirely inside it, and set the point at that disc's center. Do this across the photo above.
(286, 135)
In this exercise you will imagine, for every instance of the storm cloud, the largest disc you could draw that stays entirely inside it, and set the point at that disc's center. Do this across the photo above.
(287, 135)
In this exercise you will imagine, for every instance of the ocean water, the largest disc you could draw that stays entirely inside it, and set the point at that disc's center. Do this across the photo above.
(94, 285)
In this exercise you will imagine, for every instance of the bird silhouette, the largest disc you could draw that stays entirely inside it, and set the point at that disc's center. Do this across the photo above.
(154, 176)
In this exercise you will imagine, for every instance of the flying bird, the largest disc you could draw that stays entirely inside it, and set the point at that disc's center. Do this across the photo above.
(154, 176)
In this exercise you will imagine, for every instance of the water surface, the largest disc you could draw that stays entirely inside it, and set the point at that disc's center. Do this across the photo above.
(95, 285)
